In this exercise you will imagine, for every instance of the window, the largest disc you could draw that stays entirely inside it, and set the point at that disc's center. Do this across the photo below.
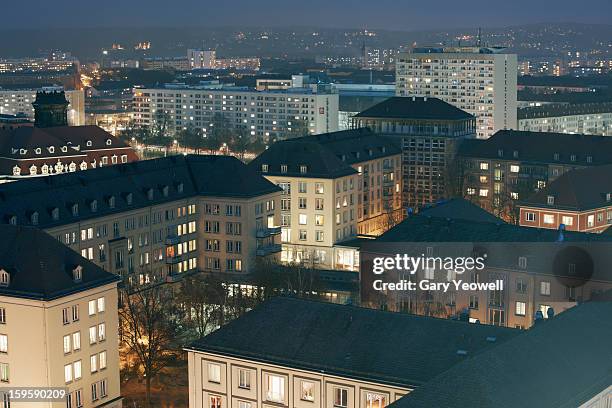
(93, 363)
(4, 372)
(2, 315)
(244, 404)
(522, 262)
(101, 305)
(94, 391)
(319, 188)
(302, 186)
(514, 168)
(521, 286)
(549, 219)
(568, 221)
(92, 307)
(102, 360)
(77, 370)
(520, 308)
(68, 373)
(550, 200)
(67, 344)
(544, 310)
(103, 390)
(473, 302)
(78, 399)
(5, 278)
(276, 389)
(215, 401)
(340, 397)
(214, 373)
(484, 166)
(244, 379)
(375, 400)
(484, 192)
(302, 219)
(92, 335)
(76, 341)
(75, 313)
(545, 288)
(3, 343)
(65, 316)
(264, 168)
(102, 332)
(307, 391)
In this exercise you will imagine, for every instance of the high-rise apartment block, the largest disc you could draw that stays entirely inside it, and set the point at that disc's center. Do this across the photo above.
(265, 114)
(430, 132)
(201, 59)
(58, 322)
(480, 80)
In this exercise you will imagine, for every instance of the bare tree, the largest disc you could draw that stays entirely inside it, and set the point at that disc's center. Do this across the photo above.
(149, 332)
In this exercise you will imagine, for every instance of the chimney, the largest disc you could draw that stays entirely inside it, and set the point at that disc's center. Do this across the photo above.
(50, 108)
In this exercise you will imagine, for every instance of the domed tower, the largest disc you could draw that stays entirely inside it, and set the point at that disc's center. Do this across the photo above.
(50, 108)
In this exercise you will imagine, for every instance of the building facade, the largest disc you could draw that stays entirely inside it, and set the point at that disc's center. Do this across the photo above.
(265, 114)
(579, 200)
(513, 165)
(430, 132)
(201, 59)
(339, 375)
(588, 119)
(156, 220)
(481, 81)
(58, 322)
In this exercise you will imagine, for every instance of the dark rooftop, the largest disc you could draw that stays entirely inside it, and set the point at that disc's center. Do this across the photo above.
(129, 185)
(41, 268)
(459, 208)
(541, 147)
(365, 344)
(577, 190)
(562, 362)
(415, 107)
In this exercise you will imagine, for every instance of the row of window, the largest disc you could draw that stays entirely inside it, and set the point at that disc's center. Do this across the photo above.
(74, 370)
(99, 390)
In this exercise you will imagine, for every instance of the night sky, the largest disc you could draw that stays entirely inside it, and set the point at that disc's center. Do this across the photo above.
(375, 14)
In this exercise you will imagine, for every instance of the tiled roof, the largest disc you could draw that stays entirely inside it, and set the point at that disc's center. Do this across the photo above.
(359, 343)
(417, 107)
(41, 268)
(129, 186)
(562, 362)
(541, 147)
(326, 155)
(577, 190)
(458, 208)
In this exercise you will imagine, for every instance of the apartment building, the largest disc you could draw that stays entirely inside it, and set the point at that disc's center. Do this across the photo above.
(155, 220)
(480, 80)
(430, 132)
(162, 63)
(58, 322)
(328, 355)
(19, 102)
(269, 115)
(512, 165)
(201, 59)
(544, 272)
(580, 200)
(588, 119)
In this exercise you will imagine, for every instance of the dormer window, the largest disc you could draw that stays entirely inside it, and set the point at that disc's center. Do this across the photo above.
(55, 214)
(77, 274)
(34, 218)
(589, 159)
(384, 149)
(89, 144)
(550, 200)
(94, 205)
(303, 169)
(64, 149)
(608, 196)
(129, 198)
(264, 168)
(180, 187)
(109, 142)
(357, 154)
(150, 194)
(38, 150)
(51, 149)
(370, 152)
(556, 156)
(75, 210)
(165, 191)
(573, 157)
(515, 154)
(283, 168)
(12, 220)
(5, 278)
(111, 201)
(500, 152)
(22, 151)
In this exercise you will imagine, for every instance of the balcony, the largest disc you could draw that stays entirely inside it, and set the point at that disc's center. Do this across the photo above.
(268, 249)
(267, 232)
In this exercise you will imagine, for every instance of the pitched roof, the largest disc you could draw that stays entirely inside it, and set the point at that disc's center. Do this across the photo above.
(184, 176)
(561, 362)
(351, 341)
(320, 162)
(577, 190)
(458, 208)
(22, 142)
(326, 155)
(40, 267)
(415, 107)
(541, 147)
